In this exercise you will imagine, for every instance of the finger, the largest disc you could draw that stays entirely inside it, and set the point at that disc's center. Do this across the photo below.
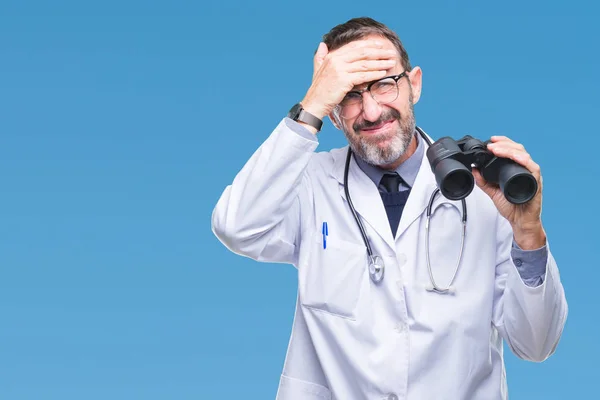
(500, 138)
(520, 157)
(371, 65)
(506, 146)
(479, 180)
(503, 140)
(369, 53)
(358, 78)
(319, 56)
(507, 151)
(361, 43)
(506, 140)
(487, 187)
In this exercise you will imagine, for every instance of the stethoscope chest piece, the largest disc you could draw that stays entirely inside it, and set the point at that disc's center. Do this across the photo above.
(376, 268)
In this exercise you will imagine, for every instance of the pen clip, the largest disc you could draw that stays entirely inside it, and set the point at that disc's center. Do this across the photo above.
(325, 232)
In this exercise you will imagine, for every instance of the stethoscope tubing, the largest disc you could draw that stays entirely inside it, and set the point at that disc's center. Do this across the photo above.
(376, 271)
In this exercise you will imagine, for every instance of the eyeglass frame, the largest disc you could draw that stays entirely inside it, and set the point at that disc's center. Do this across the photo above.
(396, 78)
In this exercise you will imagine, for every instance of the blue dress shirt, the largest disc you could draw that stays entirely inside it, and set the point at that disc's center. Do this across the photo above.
(531, 264)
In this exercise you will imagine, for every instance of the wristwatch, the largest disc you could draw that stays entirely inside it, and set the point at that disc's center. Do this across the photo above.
(297, 113)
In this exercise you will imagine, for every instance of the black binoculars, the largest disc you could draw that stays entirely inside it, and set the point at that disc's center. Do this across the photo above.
(451, 162)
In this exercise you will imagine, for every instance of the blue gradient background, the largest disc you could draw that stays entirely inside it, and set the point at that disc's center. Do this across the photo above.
(121, 122)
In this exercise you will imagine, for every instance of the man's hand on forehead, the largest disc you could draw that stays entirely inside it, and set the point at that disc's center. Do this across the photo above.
(337, 72)
(365, 49)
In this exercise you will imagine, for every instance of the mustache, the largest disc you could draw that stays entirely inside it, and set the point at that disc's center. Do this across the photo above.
(388, 115)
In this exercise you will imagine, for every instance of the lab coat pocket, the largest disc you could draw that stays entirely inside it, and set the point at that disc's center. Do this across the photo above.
(296, 389)
(333, 278)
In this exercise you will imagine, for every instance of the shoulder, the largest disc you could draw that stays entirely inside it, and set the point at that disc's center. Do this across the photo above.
(325, 165)
(329, 158)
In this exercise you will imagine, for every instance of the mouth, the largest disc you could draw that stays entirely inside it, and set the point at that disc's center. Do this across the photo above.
(378, 129)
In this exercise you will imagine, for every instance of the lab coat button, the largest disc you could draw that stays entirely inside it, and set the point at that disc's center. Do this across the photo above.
(518, 262)
(392, 397)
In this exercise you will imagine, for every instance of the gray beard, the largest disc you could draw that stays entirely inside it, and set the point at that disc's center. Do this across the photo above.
(373, 154)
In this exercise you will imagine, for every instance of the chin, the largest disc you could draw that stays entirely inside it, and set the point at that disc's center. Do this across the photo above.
(380, 149)
(377, 155)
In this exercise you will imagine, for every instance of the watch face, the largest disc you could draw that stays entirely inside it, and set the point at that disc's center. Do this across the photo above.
(295, 111)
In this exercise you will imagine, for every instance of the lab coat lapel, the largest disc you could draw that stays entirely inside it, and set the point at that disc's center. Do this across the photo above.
(420, 194)
(364, 195)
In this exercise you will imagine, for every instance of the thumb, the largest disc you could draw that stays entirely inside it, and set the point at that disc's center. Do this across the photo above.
(482, 183)
(319, 57)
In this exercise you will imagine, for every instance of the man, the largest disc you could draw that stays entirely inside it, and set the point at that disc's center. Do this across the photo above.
(364, 333)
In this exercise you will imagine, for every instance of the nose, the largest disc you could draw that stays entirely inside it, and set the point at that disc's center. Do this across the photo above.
(371, 109)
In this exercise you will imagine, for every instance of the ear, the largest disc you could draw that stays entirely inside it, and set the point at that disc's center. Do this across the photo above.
(415, 77)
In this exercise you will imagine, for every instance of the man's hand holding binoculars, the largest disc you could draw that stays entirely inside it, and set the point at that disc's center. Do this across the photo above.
(524, 218)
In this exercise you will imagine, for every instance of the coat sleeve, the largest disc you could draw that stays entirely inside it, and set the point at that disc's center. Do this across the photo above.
(529, 318)
(259, 214)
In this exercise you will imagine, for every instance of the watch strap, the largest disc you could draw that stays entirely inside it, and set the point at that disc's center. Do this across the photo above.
(297, 113)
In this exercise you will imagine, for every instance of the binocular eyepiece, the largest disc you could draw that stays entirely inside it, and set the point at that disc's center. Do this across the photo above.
(451, 163)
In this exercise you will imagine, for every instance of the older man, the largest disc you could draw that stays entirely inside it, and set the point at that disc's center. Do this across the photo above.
(371, 320)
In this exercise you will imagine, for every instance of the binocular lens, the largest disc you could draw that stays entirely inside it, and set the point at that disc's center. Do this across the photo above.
(454, 179)
(517, 184)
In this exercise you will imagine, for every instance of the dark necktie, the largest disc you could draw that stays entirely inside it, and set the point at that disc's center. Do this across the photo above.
(393, 199)
(391, 182)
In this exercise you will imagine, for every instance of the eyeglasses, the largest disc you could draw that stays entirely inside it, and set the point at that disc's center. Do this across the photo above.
(383, 91)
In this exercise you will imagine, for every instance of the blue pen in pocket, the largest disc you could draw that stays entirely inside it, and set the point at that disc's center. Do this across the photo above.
(325, 234)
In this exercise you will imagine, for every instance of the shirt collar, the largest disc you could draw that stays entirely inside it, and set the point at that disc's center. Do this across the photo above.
(408, 170)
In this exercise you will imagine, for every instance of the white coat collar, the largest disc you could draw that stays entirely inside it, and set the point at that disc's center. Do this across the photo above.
(367, 200)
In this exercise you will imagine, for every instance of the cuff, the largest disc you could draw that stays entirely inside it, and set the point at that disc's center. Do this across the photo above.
(531, 264)
(300, 129)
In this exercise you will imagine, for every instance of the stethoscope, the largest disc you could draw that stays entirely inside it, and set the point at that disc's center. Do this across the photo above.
(376, 264)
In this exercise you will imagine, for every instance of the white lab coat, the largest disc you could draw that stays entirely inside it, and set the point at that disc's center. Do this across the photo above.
(353, 339)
